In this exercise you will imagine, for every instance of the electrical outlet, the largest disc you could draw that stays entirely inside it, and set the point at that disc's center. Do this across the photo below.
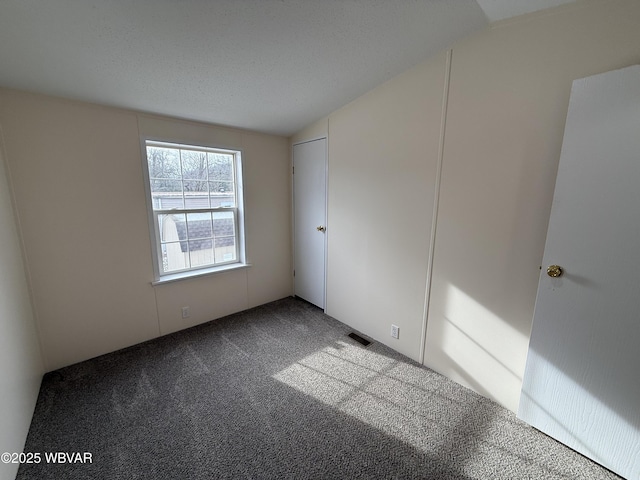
(395, 331)
(185, 312)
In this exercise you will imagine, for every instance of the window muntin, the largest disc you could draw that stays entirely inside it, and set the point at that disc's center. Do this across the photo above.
(195, 206)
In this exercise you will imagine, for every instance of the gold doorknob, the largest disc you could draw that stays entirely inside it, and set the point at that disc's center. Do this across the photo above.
(320, 228)
(554, 271)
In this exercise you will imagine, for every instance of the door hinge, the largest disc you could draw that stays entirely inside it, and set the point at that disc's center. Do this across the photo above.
(293, 170)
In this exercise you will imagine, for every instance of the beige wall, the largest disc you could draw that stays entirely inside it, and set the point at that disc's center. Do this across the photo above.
(20, 357)
(383, 151)
(508, 98)
(319, 129)
(77, 173)
(508, 102)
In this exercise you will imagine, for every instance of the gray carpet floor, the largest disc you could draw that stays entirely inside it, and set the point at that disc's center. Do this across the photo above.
(280, 392)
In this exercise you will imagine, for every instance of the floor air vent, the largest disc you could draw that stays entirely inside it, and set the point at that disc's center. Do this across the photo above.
(359, 339)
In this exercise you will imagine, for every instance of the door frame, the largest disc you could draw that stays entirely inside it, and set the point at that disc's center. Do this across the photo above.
(326, 214)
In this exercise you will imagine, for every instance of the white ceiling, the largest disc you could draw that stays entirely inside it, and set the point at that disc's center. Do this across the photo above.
(267, 65)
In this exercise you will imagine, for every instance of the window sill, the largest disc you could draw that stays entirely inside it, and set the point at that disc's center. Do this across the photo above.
(176, 277)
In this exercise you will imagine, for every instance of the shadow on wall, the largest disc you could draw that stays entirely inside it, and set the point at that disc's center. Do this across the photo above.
(486, 266)
(480, 345)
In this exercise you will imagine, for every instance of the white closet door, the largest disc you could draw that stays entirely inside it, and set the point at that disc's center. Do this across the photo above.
(309, 204)
(582, 378)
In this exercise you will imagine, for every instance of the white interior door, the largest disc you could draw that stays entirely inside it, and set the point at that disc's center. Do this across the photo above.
(582, 378)
(309, 204)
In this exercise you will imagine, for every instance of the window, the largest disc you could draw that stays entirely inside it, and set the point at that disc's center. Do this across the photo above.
(195, 198)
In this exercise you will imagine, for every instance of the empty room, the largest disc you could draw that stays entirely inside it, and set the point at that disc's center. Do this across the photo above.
(286, 239)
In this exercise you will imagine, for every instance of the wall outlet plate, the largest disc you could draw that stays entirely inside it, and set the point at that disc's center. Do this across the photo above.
(395, 331)
(185, 312)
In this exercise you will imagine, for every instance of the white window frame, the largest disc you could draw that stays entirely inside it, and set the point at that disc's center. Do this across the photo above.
(154, 214)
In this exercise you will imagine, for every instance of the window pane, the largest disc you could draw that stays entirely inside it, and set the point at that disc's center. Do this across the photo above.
(201, 252)
(194, 165)
(163, 162)
(196, 186)
(172, 228)
(223, 200)
(199, 225)
(166, 186)
(166, 194)
(196, 201)
(224, 233)
(196, 194)
(221, 187)
(225, 249)
(223, 224)
(220, 167)
(173, 257)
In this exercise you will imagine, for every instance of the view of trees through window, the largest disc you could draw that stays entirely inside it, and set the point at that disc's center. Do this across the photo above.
(184, 172)
(193, 193)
